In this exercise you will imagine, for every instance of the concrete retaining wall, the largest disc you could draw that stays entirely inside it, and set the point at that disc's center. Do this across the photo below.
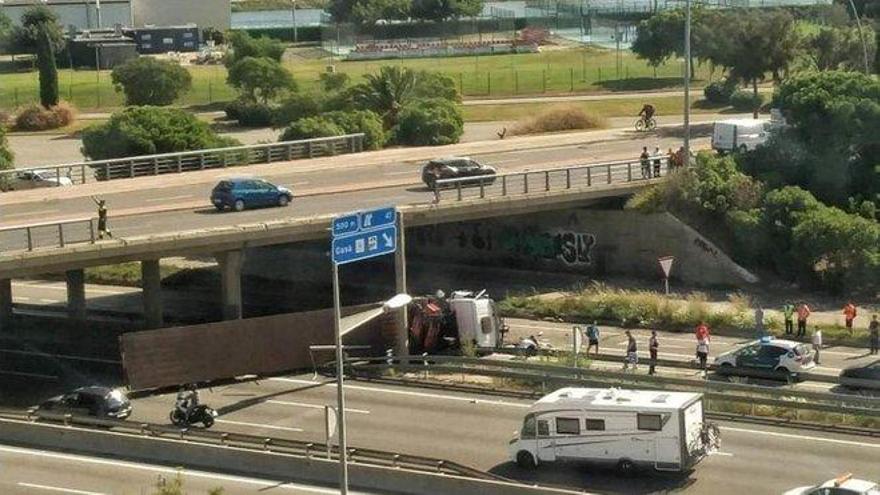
(270, 466)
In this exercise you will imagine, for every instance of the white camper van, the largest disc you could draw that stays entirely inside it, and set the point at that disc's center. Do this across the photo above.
(739, 134)
(627, 428)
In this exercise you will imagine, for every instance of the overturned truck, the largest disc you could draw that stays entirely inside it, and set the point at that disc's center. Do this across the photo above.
(449, 325)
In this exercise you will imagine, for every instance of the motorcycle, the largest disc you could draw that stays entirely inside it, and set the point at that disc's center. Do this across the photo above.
(198, 414)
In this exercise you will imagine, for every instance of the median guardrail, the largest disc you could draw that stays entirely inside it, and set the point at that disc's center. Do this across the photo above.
(557, 179)
(187, 161)
(47, 234)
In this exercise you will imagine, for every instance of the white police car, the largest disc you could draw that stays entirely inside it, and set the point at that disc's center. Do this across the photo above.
(842, 485)
(767, 354)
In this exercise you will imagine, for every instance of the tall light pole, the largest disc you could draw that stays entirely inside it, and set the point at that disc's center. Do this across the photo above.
(687, 82)
(861, 36)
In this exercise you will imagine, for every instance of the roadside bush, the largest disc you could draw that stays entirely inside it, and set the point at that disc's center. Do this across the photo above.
(149, 130)
(37, 118)
(719, 92)
(6, 157)
(149, 81)
(4, 118)
(244, 45)
(250, 113)
(260, 78)
(429, 122)
(295, 107)
(311, 127)
(556, 120)
(333, 81)
(746, 101)
(361, 121)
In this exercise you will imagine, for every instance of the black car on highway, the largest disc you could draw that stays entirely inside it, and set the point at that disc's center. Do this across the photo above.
(97, 401)
(870, 373)
(457, 168)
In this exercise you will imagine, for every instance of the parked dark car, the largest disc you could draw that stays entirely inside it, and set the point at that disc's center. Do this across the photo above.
(457, 168)
(241, 193)
(869, 372)
(97, 401)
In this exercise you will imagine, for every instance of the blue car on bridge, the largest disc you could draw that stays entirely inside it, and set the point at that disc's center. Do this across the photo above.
(245, 192)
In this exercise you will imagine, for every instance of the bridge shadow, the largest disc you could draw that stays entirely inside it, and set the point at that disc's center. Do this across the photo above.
(596, 478)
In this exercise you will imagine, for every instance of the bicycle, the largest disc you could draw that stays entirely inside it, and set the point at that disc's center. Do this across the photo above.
(645, 124)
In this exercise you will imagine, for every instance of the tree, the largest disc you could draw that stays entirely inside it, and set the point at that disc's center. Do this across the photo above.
(429, 122)
(311, 127)
(244, 45)
(148, 81)
(440, 10)
(149, 130)
(48, 70)
(832, 48)
(261, 78)
(387, 91)
(6, 33)
(368, 11)
(361, 121)
(297, 106)
(6, 156)
(35, 21)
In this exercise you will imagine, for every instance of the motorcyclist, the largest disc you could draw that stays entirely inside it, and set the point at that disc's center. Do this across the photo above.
(647, 112)
(187, 399)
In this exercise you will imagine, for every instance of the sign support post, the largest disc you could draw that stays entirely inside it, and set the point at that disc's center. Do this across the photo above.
(666, 266)
(340, 395)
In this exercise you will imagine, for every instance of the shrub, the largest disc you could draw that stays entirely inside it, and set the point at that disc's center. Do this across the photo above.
(244, 45)
(6, 157)
(295, 107)
(746, 101)
(148, 130)
(720, 91)
(361, 121)
(558, 119)
(250, 113)
(4, 118)
(311, 127)
(429, 122)
(260, 78)
(48, 69)
(37, 118)
(333, 81)
(149, 81)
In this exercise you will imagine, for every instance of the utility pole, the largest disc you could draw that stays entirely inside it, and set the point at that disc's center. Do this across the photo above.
(687, 83)
(861, 37)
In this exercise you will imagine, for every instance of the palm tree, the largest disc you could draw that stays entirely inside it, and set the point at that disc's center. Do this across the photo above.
(385, 92)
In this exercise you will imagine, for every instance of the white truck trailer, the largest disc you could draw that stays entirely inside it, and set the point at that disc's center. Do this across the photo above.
(629, 429)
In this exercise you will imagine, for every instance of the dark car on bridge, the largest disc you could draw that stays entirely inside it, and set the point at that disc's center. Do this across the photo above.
(465, 168)
(245, 192)
(97, 401)
(869, 373)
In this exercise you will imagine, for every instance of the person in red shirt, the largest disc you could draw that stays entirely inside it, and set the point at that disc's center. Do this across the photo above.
(849, 314)
(702, 332)
(803, 312)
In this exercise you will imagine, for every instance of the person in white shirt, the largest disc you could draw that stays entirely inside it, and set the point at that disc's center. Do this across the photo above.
(817, 342)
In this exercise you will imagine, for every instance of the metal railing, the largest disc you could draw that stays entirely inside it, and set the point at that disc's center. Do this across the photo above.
(558, 179)
(47, 234)
(187, 161)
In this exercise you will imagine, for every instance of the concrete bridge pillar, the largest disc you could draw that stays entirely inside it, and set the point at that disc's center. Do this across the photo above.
(152, 293)
(5, 305)
(230, 283)
(76, 294)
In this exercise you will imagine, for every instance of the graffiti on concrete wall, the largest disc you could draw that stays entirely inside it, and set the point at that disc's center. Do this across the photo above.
(702, 244)
(570, 247)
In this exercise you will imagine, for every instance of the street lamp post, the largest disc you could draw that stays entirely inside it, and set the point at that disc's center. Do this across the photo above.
(341, 328)
(861, 36)
(687, 83)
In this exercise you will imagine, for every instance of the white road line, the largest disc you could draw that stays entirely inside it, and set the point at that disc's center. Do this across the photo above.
(30, 213)
(19, 298)
(59, 356)
(33, 375)
(255, 425)
(408, 393)
(57, 489)
(313, 406)
(156, 469)
(722, 454)
(49, 301)
(803, 437)
(170, 198)
(414, 173)
(90, 289)
(300, 183)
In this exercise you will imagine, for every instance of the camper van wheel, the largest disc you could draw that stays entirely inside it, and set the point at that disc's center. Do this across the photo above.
(626, 467)
(525, 460)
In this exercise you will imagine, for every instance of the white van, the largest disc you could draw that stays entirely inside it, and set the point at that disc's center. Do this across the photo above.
(627, 428)
(739, 134)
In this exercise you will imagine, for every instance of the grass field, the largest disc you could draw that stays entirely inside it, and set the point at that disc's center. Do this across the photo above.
(551, 72)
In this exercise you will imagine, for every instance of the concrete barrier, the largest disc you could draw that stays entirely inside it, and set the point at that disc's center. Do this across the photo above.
(267, 465)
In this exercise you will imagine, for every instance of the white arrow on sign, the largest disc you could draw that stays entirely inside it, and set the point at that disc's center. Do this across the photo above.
(389, 241)
(666, 264)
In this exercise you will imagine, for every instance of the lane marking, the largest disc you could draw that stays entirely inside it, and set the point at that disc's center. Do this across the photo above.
(170, 198)
(313, 406)
(49, 301)
(164, 470)
(405, 172)
(255, 425)
(59, 356)
(58, 489)
(90, 288)
(30, 213)
(722, 454)
(32, 375)
(803, 437)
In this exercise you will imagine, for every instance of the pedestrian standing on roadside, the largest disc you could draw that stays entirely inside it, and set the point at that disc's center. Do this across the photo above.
(874, 329)
(593, 337)
(703, 353)
(670, 161)
(632, 355)
(759, 320)
(102, 218)
(645, 160)
(653, 346)
(788, 313)
(803, 312)
(657, 161)
(702, 332)
(817, 342)
(849, 314)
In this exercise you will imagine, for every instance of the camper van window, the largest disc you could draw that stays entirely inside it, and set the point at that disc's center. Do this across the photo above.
(568, 426)
(595, 424)
(543, 428)
(651, 422)
(528, 429)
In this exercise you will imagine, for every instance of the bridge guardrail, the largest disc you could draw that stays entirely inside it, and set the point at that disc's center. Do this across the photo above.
(540, 181)
(187, 161)
(47, 234)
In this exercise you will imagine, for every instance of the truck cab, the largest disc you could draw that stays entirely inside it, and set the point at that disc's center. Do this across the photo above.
(477, 319)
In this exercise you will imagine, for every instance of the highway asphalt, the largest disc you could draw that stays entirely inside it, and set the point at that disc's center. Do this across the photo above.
(38, 472)
(474, 430)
